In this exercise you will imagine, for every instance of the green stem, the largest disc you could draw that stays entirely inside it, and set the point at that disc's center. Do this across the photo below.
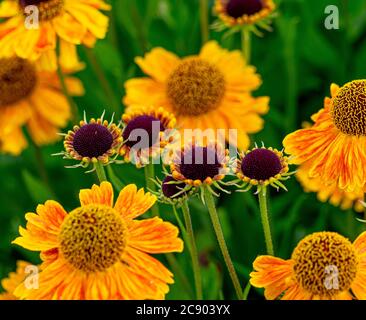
(150, 185)
(246, 44)
(246, 291)
(193, 250)
(66, 93)
(41, 165)
(181, 227)
(99, 169)
(262, 197)
(174, 265)
(103, 81)
(118, 184)
(210, 203)
(204, 20)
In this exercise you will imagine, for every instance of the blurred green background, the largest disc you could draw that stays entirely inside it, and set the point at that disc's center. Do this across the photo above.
(297, 61)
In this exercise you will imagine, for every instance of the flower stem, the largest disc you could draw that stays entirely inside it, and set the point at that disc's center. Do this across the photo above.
(204, 20)
(118, 184)
(246, 44)
(193, 250)
(150, 185)
(246, 291)
(210, 203)
(99, 169)
(103, 81)
(262, 197)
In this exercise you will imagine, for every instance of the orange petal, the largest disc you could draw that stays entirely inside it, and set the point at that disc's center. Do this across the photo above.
(102, 194)
(271, 274)
(132, 203)
(43, 228)
(154, 236)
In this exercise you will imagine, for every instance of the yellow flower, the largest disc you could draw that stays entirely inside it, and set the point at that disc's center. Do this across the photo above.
(262, 167)
(244, 12)
(67, 22)
(99, 250)
(14, 279)
(157, 123)
(92, 142)
(34, 99)
(334, 147)
(209, 91)
(324, 265)
(332, 193)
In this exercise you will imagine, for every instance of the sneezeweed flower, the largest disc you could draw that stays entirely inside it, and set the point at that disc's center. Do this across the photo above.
(238, 14)
(67, 22)
(262, 167)
(14, 279)
(333, 148)
(332, 193)
(99, 250)
(146, 132)
(324, 265)
(93, 142)
(211, 90)
(33, 99)
(198, 165)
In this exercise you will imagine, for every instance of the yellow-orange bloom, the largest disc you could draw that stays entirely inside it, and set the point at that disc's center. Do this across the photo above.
(34, 99)
(67, 22)
(323, 266)
(14, 279)
(211, 90)
(337, 197)
(334, 147)
(99, 250)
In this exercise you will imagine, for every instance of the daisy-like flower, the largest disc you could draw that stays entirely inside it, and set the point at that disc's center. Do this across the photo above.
(14, 279)
(261, 167)
(336, 196)
(155, 125)
(324, 265)
(96, 141)
(244, 13)
(209, 91)
(34, 99)
(69, 22)
(99, 250)
(334, 147)
(199, 165)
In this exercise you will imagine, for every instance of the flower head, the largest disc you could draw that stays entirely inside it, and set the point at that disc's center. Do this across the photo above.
(67, 22)
(333, 148)
(25, 96)
(98, 244)
(92, 142)
(147, 130)
(211, 90)
(244, 13)
(262, 167)
(14, 279)
(324, 265)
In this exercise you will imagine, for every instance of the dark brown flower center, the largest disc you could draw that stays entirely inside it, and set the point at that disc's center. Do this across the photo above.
(48, 9)
(18, 79)
(239, 8)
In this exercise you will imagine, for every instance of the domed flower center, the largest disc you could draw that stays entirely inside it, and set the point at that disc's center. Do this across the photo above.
(92, 140)
(349, 108)
(239, 8)
(48, 9)
(261, 164)
(18, 79)
(144, 130)
(93, 238)
(195, 87)
(325, 263)
(170, 190)
(200, 163)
